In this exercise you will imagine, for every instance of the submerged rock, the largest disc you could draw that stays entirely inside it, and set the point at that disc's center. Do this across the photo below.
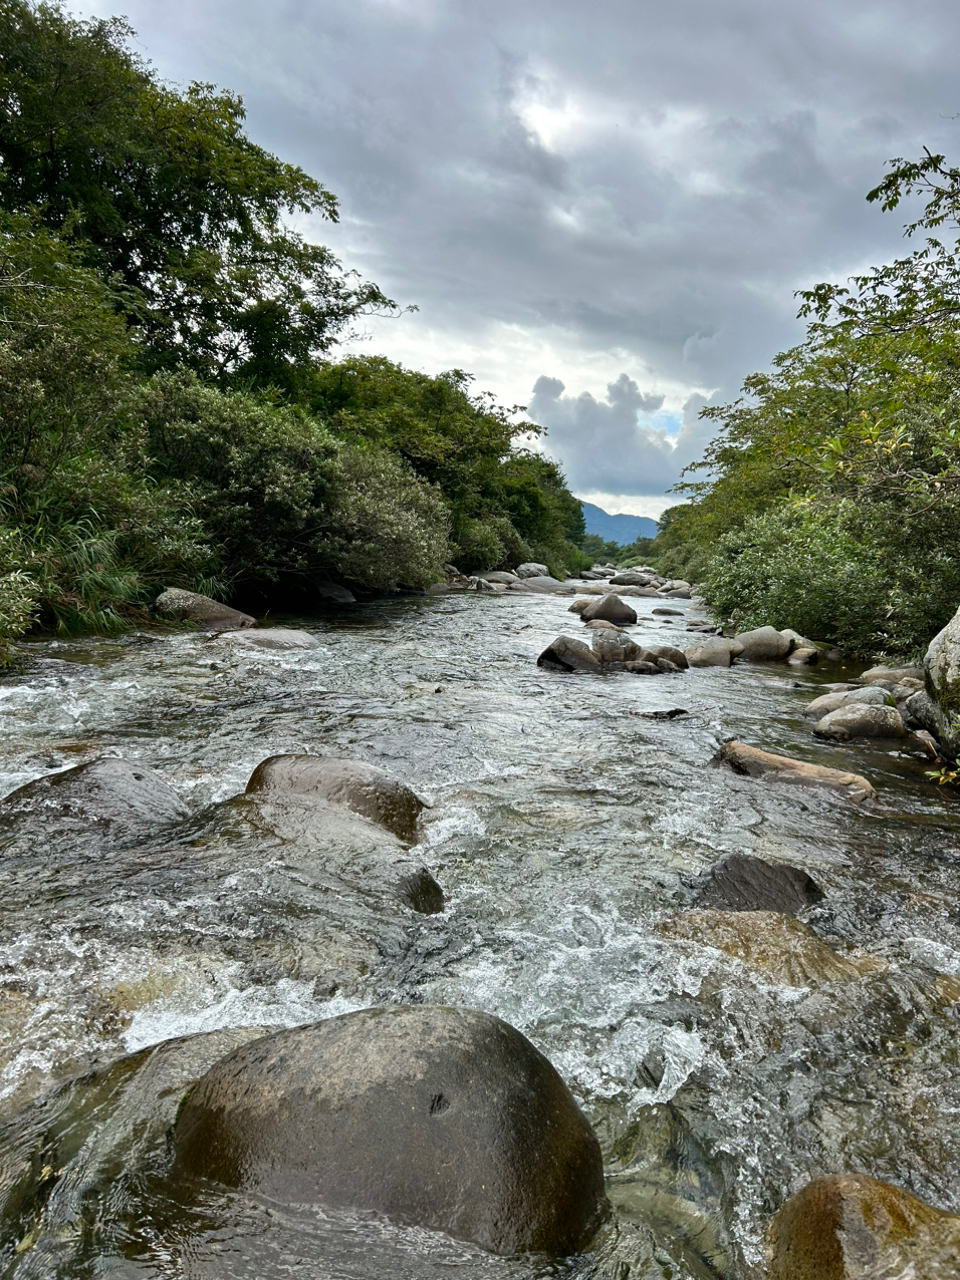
(858, 720)
(271, 638)
(567, 654)
(611, 609)
(761, 764)
(770, 941)
(853, 1227)
(740, 882)
(371, 792)
(188, 606)
(117, 799)
(443, 1118)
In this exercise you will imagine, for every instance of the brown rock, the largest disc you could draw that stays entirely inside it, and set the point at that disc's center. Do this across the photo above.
(853, 1227)
(437, 1117)
(857, 720)
(567, 654)
(762, 764)
(188, 606)
(778, 944)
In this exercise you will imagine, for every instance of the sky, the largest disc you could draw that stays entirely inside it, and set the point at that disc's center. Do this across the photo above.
(602, 211)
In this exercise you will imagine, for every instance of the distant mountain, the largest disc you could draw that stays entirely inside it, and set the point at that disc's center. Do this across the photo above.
(620, 528)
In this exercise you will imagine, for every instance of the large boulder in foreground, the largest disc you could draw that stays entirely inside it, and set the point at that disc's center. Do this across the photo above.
(740, 882)
(755, 763)
(117, 799)
(437, 1117)
(611, 609)
(852, 1227)
(188, 606)
(371, 792)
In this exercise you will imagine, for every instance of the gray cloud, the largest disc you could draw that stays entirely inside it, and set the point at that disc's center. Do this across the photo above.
(621, 188)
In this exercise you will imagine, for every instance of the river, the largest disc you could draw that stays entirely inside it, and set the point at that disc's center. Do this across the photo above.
(567, 823)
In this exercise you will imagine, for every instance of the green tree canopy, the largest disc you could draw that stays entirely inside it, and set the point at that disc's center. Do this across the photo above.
(170, 198)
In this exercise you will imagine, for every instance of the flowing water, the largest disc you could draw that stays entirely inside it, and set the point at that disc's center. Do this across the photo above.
(567, 823)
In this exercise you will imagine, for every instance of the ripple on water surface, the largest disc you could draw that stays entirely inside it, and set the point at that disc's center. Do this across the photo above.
(565, 826)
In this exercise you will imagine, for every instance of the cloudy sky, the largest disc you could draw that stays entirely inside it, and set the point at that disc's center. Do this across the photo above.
(602, 210)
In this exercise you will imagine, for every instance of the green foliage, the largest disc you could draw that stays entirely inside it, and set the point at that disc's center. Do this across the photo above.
(858, 427)
(164, 417)
(19, 593)
(166, 195)
(506, 503)
(797, 566)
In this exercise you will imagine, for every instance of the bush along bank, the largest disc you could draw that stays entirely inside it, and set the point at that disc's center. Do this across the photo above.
(831, 497)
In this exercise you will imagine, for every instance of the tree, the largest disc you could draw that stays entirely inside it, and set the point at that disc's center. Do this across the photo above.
(170, 199)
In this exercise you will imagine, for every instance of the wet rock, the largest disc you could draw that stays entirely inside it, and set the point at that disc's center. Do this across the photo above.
(667, 613)
(834, 655)
(670, 654)
(631, 579)
(566, 654)
(611, 609)
(442, 1118)
(764, 644)
(679, 593)
(740, 882)
(544, 585)
(641, 667)
(716, 652)
(853, 1227)
(828, 702)
(857, 720)
(363, 788)
(118, 799)
(421, 893)
(893, 674)
(499, 575)
(804, 657)
(676, 584)
(599, 624)
(211, 614)
(270, 638)
(333, 593)
(616, 646)
(777, 945)
(578, 606)
(755, 763)
(532, 570)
